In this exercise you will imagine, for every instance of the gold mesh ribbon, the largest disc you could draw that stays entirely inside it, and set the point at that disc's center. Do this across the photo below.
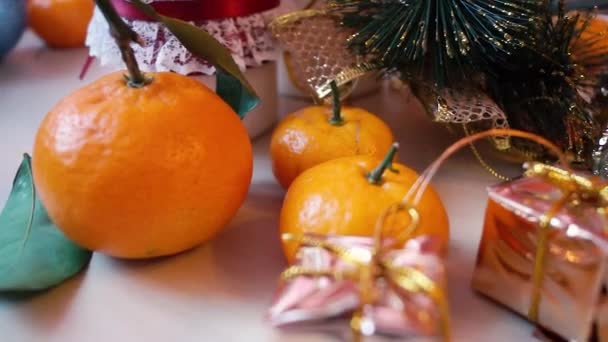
(368, 268)
(317, 52)
(470, 108)
(463, 107)
(291, 69)
(576, 189)
(474, 110)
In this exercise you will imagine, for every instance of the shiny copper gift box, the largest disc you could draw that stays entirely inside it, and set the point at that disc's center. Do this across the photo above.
(568, 297)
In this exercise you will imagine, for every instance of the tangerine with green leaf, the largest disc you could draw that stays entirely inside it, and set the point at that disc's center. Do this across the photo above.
(142, 172)
(317, 134)
(143, 165)
(347, 196)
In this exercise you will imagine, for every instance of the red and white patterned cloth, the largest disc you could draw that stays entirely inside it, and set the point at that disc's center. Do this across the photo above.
(246, 37)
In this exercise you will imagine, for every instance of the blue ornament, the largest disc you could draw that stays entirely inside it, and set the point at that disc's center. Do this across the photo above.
(12, 24)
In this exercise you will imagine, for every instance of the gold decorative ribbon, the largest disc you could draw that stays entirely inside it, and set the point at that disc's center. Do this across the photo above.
(370, 266)
(345, 79)
(576, 189)
(292, 74)
(482, 160)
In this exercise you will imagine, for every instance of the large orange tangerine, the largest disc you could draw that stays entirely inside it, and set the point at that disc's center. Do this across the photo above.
(142, 172)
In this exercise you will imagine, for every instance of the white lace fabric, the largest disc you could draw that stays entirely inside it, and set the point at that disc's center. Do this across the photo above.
(247, 38)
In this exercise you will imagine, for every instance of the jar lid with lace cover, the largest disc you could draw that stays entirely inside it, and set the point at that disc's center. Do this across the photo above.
(240, 25)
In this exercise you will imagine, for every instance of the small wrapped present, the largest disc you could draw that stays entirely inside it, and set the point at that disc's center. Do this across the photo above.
(543, 250)
(382, 290)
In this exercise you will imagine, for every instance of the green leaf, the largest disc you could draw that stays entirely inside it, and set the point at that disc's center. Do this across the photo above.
(232, 86)
(34, 254)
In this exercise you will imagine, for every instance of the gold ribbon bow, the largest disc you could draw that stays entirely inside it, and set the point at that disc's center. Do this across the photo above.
(370, 266)
(576, 189)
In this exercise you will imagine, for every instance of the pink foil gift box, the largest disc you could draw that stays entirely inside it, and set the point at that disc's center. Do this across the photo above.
(544, 259)
(396, 292)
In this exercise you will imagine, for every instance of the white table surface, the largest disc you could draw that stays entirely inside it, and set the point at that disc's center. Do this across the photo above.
(221, 290)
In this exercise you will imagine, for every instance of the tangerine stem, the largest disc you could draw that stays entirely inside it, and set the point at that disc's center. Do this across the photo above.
(336, 118)
(124, 35)
(375, 177)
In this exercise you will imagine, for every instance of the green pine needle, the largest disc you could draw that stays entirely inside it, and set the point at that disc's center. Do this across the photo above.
(439, 41)
(540, 90)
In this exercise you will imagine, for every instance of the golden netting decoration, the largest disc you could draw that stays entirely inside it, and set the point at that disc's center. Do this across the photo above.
(464, 107)
(317, 52)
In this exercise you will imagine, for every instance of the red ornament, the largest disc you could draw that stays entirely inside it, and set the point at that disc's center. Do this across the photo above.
(196, 10)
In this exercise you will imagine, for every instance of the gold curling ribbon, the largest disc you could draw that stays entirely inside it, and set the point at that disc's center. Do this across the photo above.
(564, 178)
(368, 267)
(482, 160)
(576, 188)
